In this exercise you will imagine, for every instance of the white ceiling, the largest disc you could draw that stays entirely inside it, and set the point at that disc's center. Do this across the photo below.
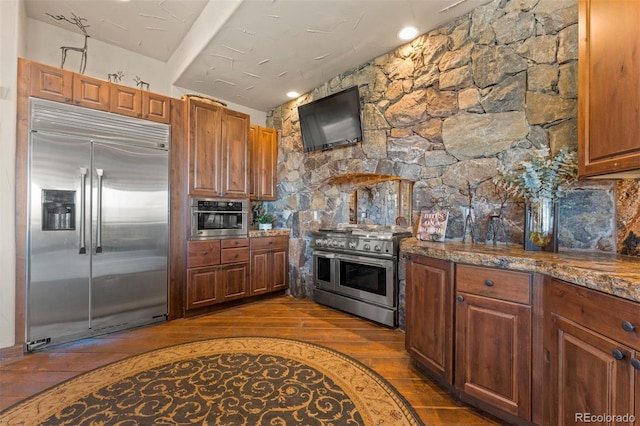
(251, 52)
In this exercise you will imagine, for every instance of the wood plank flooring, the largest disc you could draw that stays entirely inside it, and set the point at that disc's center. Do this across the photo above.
(376, 346)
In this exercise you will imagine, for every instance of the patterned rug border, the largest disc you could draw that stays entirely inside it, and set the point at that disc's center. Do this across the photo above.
(246, 344)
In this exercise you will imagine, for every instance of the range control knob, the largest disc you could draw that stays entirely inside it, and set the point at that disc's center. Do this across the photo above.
(367, 247)
(353, 245)
(377, 248)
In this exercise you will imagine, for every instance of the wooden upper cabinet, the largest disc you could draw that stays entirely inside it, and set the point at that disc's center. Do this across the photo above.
(126, 100)
(65, 86)
(205, 135)
(156, 107)
(263, 143)
(609, 88)
(60, 85)
(218, 151)
(138, 103)
(235, 154)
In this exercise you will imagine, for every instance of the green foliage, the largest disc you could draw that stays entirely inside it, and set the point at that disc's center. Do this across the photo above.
(540, 177)
(265, 218)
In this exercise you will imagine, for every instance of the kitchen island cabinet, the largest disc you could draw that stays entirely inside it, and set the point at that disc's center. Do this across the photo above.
(218, 150)
(592, 364)
(493, 337)
(609, 88)
(538, 336)
(429, 315)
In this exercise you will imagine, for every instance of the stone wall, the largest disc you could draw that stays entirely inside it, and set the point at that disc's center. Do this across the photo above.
(444, 111)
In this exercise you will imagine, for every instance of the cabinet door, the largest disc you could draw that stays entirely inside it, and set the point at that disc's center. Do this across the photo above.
(268, 163)
(126, 100)
(493, 352)
(260, 275)
(204, 148)
(203, 286)
(254, 163)
(280, 273)
(589, 373)
(156, 107)
(235, 281)
(50, 83)
(235, 154)
(609, 86)
(91, 92)
(429, 314)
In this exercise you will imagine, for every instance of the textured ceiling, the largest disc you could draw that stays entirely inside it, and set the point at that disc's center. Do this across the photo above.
(252, 52)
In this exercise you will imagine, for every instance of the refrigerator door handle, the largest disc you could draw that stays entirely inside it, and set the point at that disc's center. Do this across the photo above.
(99, 172)
(83, 181)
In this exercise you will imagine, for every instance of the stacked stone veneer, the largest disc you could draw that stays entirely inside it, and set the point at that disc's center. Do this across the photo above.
(444, 110)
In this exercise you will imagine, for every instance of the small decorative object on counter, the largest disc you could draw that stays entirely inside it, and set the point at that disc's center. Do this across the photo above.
(539, 181)
(433, 225)
(265, 221)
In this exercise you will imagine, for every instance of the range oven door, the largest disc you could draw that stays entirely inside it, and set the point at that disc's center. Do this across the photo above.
(324, 270)
(368, 279)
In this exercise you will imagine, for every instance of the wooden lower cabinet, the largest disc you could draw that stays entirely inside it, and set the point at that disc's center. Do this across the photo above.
(592, 356)
(217, 271)
(203, 287)
(429, 314)
(269, 264)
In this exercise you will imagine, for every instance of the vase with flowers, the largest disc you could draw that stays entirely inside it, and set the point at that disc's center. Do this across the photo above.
(540, 181)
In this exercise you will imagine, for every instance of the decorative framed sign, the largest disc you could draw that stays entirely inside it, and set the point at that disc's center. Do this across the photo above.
(432, 225)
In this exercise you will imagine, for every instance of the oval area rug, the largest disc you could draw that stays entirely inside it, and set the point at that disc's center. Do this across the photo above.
(227, 381)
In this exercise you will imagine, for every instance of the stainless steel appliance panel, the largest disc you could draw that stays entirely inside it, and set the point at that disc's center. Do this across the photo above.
(130, 233)
(58, 268)
(366, 278)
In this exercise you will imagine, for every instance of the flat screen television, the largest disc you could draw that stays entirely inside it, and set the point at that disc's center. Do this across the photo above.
(331, 121)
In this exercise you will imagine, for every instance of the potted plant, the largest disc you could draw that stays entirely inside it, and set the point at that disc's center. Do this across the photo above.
(265, 221)
(539, 181)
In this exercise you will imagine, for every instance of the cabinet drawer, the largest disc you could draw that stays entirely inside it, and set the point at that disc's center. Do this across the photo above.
(495, 283)
(611, 316)
(235, 242)
(232, 255)
(265, 243)
(203, 253)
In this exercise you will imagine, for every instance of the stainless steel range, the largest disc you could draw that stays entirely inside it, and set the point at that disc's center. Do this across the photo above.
(355, 270)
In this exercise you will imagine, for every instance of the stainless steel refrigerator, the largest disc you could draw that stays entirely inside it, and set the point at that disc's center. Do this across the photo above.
(98, 228)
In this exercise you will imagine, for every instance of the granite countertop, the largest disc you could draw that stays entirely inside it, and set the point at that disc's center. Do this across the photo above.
(608, 273)
(256, 233)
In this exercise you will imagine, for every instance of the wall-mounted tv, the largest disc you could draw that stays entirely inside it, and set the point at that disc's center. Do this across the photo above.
(331, 121)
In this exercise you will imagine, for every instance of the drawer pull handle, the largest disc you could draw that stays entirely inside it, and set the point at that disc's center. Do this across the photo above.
(460, 298)
(627, 326)
(617, 354)
(636, 363)
(488, 283)
(204, 253)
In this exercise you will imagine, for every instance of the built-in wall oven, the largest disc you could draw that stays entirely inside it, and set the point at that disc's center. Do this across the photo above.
(215, 218)
(356, 272)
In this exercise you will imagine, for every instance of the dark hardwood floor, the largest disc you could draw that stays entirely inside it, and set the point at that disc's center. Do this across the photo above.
(376, 346)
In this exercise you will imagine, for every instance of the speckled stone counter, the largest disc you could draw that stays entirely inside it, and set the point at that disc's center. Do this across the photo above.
(608, 273)
(255, 233)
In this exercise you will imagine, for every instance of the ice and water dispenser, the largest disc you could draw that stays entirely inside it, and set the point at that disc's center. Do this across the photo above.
(58, 210)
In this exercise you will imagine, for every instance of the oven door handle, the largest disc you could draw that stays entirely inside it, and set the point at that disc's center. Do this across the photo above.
(221, 211)
(369, 260)
(325, 254)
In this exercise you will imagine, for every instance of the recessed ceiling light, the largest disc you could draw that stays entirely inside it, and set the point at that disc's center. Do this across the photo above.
(407, 33)
(293, 94)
